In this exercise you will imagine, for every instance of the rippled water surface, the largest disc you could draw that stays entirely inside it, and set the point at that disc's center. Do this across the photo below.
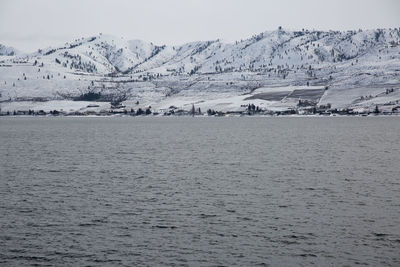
(200, 191)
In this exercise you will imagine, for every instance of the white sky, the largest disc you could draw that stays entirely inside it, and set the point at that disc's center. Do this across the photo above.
(30, 24)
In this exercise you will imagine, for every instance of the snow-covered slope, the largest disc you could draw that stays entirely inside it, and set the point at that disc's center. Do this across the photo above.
(8, 51)
(352, 64)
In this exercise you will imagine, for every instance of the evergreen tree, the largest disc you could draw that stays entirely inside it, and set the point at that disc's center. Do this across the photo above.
(139, 111)
(193, 110)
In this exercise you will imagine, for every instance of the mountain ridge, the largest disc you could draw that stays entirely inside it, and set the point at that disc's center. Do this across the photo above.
(143, 70)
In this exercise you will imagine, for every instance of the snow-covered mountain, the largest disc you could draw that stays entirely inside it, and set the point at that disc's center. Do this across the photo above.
(8, 51)
(355, 67)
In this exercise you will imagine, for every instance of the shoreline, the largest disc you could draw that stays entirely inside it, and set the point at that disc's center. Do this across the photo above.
(203, 116)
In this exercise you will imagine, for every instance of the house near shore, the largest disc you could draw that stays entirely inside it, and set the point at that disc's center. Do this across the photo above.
(22, 112)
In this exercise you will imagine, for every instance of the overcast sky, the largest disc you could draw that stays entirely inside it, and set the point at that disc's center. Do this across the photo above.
(28, 24)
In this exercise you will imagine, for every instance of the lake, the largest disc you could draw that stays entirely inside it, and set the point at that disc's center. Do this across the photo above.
(248, 191)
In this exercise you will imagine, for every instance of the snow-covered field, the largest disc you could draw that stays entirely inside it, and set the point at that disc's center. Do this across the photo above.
(66, 106)
(272, 70)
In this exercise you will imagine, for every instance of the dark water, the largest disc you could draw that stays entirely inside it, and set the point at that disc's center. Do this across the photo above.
(200, 191)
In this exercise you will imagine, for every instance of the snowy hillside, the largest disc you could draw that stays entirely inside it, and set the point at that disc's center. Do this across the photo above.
(7, 51)
(274, 70)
